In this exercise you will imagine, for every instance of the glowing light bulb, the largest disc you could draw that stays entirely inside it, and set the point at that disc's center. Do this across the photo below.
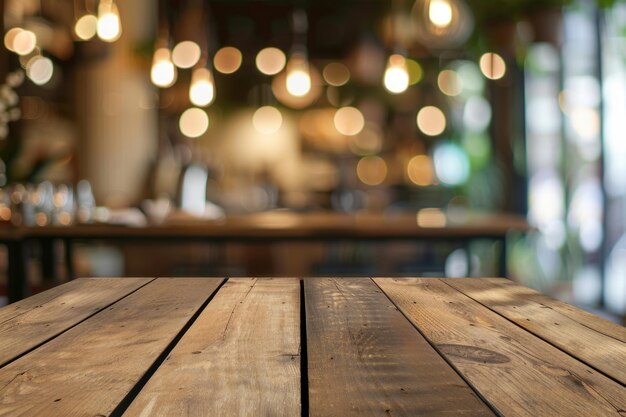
(163, 73)
(109, 24)
(86, 27)
(24, 42)
(298, 78)
(440, 13)
(202, 88)
(40, 70)
(396, 79)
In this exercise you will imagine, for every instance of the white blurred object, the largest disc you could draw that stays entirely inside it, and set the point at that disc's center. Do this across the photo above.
(456, 264)
(193, 196)
(615, 280)
(86, 202)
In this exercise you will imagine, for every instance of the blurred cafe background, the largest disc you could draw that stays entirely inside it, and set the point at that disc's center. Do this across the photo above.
(143, 112)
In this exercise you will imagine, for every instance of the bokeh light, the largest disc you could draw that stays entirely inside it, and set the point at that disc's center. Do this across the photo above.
(186, 54)
(24, 42)
(202, 88)
(420, 170)
(227, 60)
(40, 70)
(431, 121)
(163, 72)
(440, 13)
(270, 61)
(471, 78)
(349, 121)
(109, 24)
(9, 38)
(586, 122)
(194, 122)
(298, 81)
(396, 78)
(371, 170)
(86, 27)
(450, 83)
(416, 73)
(267, 120)
(336, 74)
(492, 66)
(279, 89)
(546, 198)
(451, 164)
(477, 114)
(431, 217)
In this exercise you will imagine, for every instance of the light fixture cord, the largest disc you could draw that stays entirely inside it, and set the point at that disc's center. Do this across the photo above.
(300, 27)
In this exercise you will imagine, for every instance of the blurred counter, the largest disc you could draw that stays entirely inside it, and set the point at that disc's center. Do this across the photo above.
(262, 230)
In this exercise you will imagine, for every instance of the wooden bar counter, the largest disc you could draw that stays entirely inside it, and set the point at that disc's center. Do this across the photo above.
(427, 225)
(316, 347)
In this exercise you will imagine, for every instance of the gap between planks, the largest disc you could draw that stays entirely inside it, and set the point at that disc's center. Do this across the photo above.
(54, 336)
(578, 382)
(135, 390)
(444, 357)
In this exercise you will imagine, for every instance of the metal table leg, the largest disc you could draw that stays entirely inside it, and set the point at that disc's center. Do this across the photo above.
(502, 263)
(17, 282)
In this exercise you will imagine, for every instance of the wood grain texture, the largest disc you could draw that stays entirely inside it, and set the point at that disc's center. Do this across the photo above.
(89, 369)
(516, 372)
(240, 358)
(366, 359)
(598, 342)
(30, 322)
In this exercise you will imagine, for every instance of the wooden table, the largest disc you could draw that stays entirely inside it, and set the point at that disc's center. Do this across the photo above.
(317, 347)
(426, 225)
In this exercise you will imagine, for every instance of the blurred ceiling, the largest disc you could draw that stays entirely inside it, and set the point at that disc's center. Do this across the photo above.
(334, 27)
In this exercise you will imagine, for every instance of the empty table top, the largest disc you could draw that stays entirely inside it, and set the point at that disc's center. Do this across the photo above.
(317, 346)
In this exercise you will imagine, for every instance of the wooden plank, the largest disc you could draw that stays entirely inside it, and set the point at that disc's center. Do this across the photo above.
(583, 317)
(366, 359)
(88, 370)
(30, 322)
(240, 358)
(598, 342)
(516, 372)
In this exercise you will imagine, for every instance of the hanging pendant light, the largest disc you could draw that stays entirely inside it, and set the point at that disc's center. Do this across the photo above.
(163, 72)
(442, 24)
(298, 79)
(396, 78)
(109, 24)
(202, 87)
